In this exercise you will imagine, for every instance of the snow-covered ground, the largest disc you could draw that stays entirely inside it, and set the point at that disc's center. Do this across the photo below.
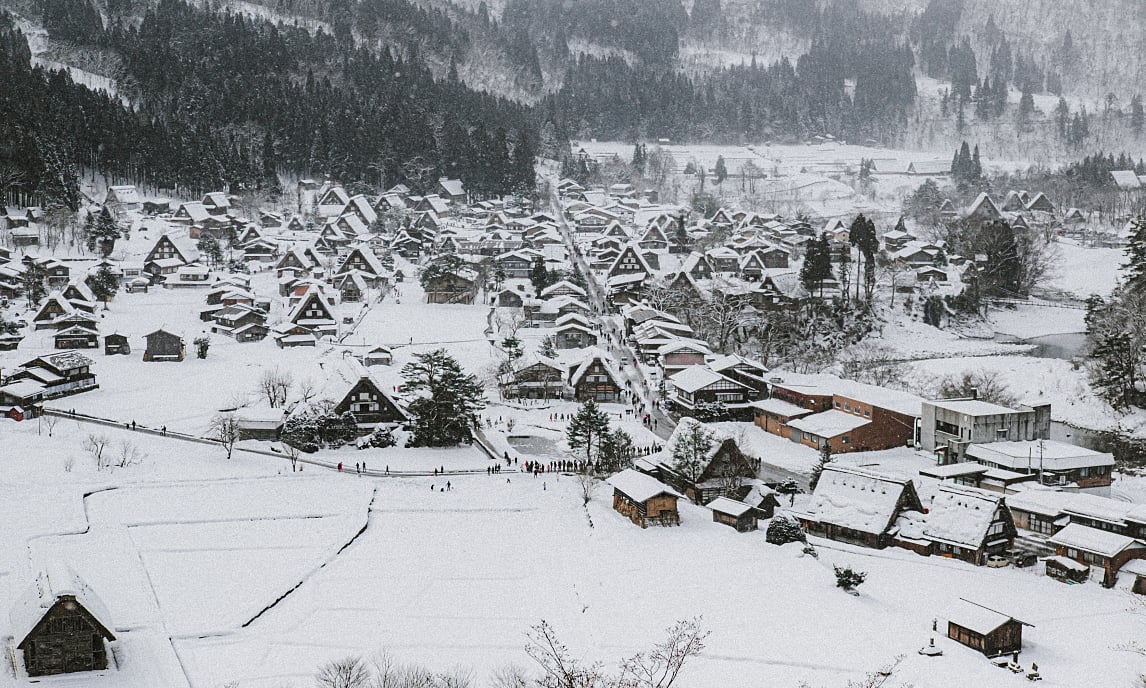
(193, 555)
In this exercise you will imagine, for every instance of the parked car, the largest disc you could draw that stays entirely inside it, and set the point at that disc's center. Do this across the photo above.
(998, 561)
(1022, 558)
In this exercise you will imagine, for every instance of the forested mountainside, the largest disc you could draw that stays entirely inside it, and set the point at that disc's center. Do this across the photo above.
(213, 94)
(220, 99)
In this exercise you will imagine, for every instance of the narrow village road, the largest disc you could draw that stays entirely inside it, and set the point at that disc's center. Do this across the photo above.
(643, 391)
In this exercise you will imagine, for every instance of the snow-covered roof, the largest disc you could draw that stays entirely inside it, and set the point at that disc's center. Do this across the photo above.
(728, 506)
(638, 486)
(955, 515)
(780, 407)
(1104, 543)
(855, 498)
(971, 407)
(1048, 454)
(828, 424)
(42, 594)
(976, 618)
(882, 397)
(697, 377)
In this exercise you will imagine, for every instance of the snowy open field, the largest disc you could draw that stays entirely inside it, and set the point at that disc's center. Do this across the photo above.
(186, 563)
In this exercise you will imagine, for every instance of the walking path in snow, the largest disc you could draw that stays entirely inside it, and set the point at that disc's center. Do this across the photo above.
(482, 444)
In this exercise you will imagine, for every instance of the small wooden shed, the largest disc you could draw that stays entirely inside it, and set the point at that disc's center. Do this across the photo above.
(163, 346)
(981, 628)
(60, 626)
(1067, 570)
(730, 512)
(116, 343)
(644, 499)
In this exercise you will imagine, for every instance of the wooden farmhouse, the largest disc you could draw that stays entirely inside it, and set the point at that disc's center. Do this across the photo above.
(643, 499)
(534, 377)
(314, 312)
(597, 378)
(574, 332)
(458, 287)
(986, 630)
(77, 337)
(857, 506)
(60, 626)
(56, 375)
(171, 248)
(1105, 550)
(629, 262)
(732, 513)
(696, 386)
(370, 404)
(958, 523)
(721, 471)
(163, 346)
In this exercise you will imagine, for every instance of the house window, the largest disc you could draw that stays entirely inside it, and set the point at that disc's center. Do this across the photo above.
(1000, 434)
(867, 413)
(995, 529)
(847, 407)
(847, 439)
(837, 404)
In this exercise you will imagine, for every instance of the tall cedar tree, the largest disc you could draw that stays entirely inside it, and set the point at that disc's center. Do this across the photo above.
(447, 412)
(818, 469)
(817, 265)
(691, 451)
(587, 430)
(1135, 265)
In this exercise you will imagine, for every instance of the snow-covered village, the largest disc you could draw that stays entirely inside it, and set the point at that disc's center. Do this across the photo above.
(476, 399)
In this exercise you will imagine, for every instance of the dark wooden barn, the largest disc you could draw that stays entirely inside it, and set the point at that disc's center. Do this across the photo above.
(116, 343)
(59, 628)
(163, 346)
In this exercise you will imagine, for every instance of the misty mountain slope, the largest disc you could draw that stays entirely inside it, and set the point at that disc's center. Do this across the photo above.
(1107, 36)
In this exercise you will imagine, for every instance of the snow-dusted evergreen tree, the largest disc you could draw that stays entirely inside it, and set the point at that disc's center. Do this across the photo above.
(445, 415)
(586, 431)
(1135, 265)
(817, 265)
(692, 445)
(103, 284)
(818, 469)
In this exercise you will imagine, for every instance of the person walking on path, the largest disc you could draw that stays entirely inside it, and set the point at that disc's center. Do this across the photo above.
(339, 466)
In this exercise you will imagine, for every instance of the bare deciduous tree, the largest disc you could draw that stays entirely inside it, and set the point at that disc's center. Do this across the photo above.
(560, 669)
(350, 672)
(225, 430)
(587, 483)
(275, 384)
(50, 422)
(128, 454)
(660, 666)
(97, 447)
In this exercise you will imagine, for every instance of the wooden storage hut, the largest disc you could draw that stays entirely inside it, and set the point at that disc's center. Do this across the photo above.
(730, 512)
(1067, 570)
(986, 630)
(163, 346)
(644, 499)
(116, 343)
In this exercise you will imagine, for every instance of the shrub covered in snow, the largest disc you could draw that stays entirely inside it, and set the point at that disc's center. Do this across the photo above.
(848, 578)
(380, 439)
(784, 529)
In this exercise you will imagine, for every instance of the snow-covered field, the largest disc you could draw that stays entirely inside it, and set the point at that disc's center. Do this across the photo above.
(188, 550)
